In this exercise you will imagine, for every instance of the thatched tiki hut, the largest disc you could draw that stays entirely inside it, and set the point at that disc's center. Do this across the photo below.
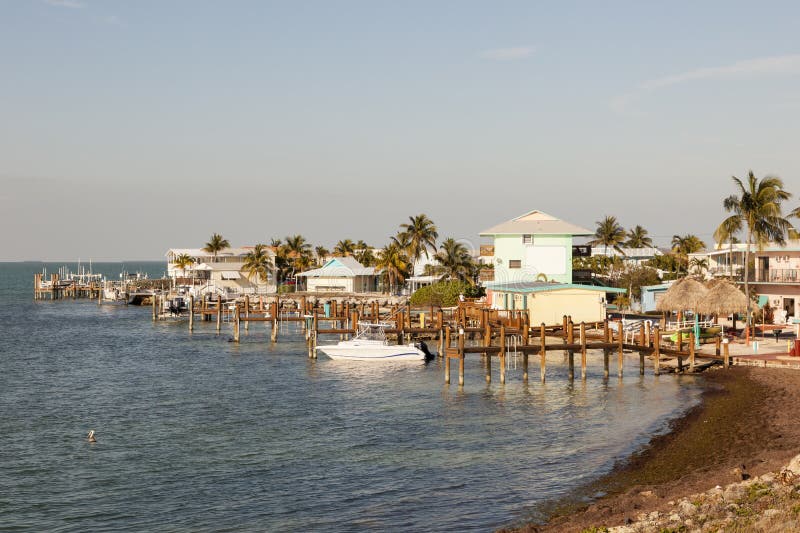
(723, 299)
(684, 295)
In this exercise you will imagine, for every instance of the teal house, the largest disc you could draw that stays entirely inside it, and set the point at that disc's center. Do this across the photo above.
(533, 247)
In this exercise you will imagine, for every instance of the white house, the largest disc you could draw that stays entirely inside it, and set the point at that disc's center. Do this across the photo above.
(534, 246)
(340, 274)
(220, 273)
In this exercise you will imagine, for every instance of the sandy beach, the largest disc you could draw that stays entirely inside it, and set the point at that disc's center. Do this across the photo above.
(748, 417)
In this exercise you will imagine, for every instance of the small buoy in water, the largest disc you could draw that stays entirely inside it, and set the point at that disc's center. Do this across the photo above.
(90, 436)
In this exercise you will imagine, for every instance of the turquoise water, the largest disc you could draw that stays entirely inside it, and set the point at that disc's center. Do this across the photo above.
(198, 433)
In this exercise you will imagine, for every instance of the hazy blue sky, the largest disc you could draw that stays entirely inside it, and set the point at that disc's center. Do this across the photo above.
(127, 128)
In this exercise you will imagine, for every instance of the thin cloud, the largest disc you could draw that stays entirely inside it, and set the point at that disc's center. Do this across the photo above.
(508, 54)
(775, 65)
(70, 4)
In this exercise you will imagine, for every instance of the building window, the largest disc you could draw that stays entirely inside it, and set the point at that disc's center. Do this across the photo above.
(527, 239)
(515, 263)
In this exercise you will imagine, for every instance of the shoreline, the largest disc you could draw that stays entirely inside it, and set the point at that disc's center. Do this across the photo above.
(746, 416)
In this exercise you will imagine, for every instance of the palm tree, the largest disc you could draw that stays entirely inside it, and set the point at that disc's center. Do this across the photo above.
(321, 252)
(344, 248)
(422, 234)
(183, 261)
(727, 231)
(758, 208)
(216, 244)
(393, 261)
(299, 252)
(258, 263)
(684, 245)
(456, 261)
(609, 232)
(638, 238)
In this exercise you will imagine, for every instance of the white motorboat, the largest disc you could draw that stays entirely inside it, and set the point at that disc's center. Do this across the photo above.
(370, 344)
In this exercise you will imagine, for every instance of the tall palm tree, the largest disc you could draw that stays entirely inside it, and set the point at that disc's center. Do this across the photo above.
(422, 234)
(684, 245)
(638, 238)
(216, 244)
(344, 248)
(726, 232)
(322, 253)
(758, 207)
(456, 261)
(393, 261)
(183, 261)
(299, 252)
(258, 263)
(609, 232)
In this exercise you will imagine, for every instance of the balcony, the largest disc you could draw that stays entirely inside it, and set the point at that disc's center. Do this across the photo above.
(778, 275)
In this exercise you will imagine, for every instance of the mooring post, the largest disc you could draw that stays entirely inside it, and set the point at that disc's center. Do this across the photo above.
(246, 312)
(583, 350)
(219, 312)
(461, 357)
(691, 351)
(487, 341)
(680, 341)
(608, 338)
(446, 356)
(502, 354)
(542, 353)
(570, 339)
(191, 312)
(154, 302)
(236, 323)
(273, 310)
(657, 351)
(620, 355)
(726, 361)
(717, 345)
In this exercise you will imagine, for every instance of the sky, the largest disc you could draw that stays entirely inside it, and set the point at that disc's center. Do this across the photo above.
(127, 128)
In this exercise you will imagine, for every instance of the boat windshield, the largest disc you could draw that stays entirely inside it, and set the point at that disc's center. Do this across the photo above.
(372, 332)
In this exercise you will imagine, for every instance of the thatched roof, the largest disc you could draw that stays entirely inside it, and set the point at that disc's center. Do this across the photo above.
(723, 299)
(684, 295)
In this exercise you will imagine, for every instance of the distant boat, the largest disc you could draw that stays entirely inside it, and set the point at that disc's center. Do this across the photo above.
(370, 344)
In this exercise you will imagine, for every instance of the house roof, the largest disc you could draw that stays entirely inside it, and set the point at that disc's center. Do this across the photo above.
(339, 267)
(543, 286)
(227, 252)
(536, 223)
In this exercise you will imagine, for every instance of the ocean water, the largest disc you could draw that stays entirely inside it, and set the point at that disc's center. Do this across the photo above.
(196, 433)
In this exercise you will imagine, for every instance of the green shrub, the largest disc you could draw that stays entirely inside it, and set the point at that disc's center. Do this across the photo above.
(444, 294)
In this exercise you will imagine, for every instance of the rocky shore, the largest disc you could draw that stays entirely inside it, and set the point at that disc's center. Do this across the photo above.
(729, 465)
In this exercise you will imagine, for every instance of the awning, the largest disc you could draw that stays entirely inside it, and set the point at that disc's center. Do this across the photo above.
(231, 275)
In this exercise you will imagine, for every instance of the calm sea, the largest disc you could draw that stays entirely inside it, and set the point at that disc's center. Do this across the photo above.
(196, 433)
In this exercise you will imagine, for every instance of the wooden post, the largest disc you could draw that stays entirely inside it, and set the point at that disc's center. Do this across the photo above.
(583, 350)
(680, 340)
(542, 353)
(219, 313)
(461, 357)
(236, 323)
(447, 357)
(570, 332)
(247, 312)
(191, 312)
(400, 323)
(620, 355)
(657, 352)
(502, 354)
(487, 341)
(608, 338)
(691, 351)
(155, 305)
(717, 343)
(726, 361)
(273, 310)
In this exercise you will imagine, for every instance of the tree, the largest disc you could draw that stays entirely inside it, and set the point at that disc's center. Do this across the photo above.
(638, 238)
(421, 233)
(726, 232)
(456, 262)
(258, 263)
(216, 244)
(344, 248)
(609, 232)
(322, 253)
(298, 252)
(684, 245)
(183, 261)
(393, 262)
(758, 209)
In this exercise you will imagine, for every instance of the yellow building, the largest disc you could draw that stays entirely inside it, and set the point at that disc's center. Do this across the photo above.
(549, 302)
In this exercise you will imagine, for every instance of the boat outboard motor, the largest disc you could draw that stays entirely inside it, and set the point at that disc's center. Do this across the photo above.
(424, 348)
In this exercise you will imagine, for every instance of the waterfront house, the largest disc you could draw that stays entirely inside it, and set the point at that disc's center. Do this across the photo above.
(723, 261)
(549, 302)
(532, 247)
(651, 294)
(776, 278)
(220, 273)
(341, 274)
